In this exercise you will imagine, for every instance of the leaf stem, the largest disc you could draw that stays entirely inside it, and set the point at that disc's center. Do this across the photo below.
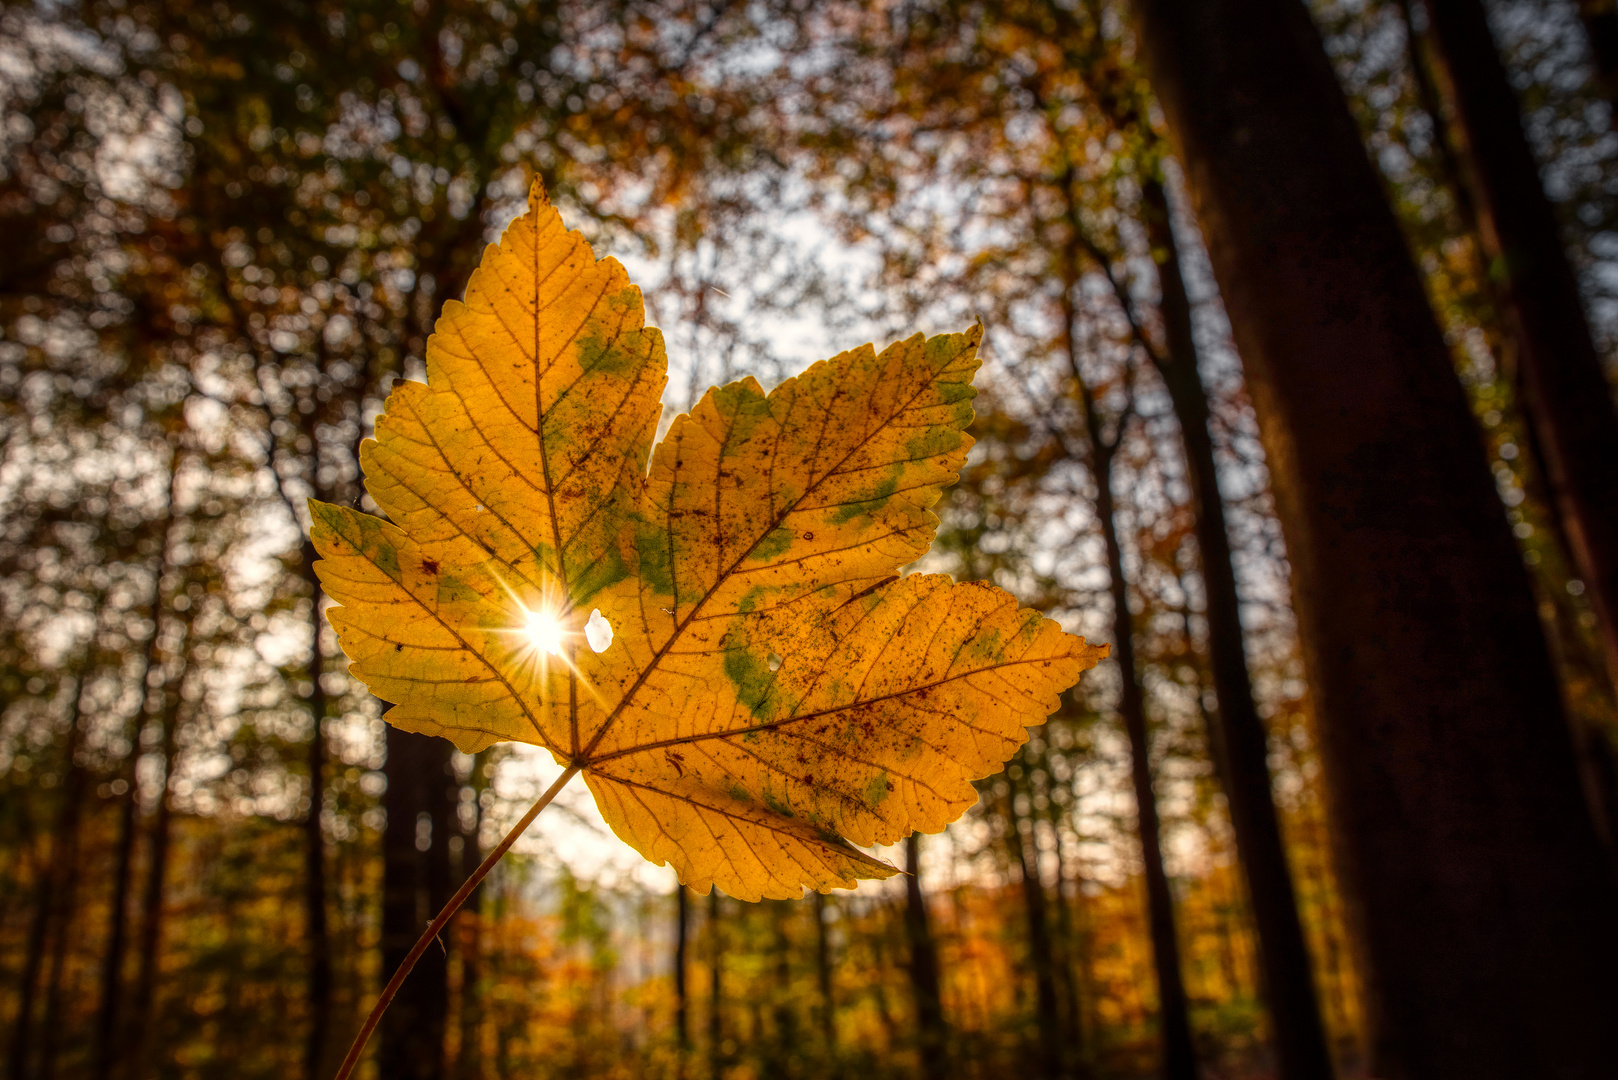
(352, 1059)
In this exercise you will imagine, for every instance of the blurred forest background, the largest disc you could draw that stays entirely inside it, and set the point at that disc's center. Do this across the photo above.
(226, 229)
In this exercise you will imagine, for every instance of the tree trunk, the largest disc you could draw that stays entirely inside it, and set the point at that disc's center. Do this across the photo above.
(1237, 736)
(784, 1044)
(66, 864)
(1047, 1019)
(1566, 638)
(317, 940)
(1565, 394)
(1600, 18)
(1074, 989)
(469, 1065)
(1448, 758)
(47, 931)
(925, 984)
(716, 986)
(415, 879)
(828, 1006)
(149, 952)
(682, 1020)
(117, 948)
(1179, 1056)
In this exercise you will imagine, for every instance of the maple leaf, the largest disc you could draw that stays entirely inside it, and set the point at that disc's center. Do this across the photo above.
(720, 643)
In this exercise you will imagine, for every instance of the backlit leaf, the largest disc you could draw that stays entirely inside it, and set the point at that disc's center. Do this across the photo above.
(713, 629)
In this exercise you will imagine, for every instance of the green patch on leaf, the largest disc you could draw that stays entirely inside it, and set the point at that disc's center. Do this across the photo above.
(607, 568)
(776, 804)
(753, 681)
(452, 590)
(656, 564)
(989, 647)
(875, 499)
(933, 441)
(774, 543)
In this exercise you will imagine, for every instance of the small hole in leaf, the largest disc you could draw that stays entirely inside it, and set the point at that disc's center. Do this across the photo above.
(598, 632)
(775, 662)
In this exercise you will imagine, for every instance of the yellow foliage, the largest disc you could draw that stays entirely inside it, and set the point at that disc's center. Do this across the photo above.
(771, 692)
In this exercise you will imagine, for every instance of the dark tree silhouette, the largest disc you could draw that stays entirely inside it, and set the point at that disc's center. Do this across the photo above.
(1448, 758)
(1041, 956)
(1564, 391)
(1174, 1012)
(415, 885)
(923, 967)
(1236, 735)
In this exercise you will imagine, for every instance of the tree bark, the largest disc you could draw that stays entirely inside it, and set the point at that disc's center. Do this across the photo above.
(1236, 734)
(925, 985)
(415, 882)
(1448, 759)
(1565, 393)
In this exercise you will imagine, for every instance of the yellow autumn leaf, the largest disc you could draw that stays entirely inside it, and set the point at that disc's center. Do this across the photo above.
(718, 638)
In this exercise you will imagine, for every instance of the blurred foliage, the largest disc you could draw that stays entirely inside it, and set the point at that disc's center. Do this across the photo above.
(227, 227)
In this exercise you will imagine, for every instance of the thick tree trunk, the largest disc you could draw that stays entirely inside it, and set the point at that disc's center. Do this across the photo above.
(1235, 732)
(925, 985)
(1564, 392)
(1448, 759)
(1566, 639)
(415, 885)
(1047, 1019)
(1174, 1014)
(317, 941)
